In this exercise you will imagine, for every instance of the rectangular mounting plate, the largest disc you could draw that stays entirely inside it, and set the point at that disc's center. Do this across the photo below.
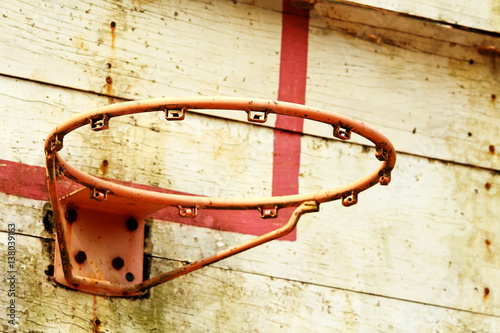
(105, 238)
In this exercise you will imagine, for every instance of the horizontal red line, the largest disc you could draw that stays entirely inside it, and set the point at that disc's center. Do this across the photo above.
(29, 181)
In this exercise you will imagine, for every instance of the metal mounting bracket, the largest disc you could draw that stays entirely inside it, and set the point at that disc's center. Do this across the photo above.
(105, 239)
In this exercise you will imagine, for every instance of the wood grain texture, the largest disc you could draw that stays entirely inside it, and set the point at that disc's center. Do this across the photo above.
(420, 255)
(146, 48)
(440, 105)
(428, 237)
(482, 14)
(428, 104)
(215, 300)
(425, 237)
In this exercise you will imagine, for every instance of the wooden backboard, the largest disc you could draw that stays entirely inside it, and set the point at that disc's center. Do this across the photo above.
(420, 255)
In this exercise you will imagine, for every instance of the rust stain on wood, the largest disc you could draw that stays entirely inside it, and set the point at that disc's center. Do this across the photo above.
(109, 84)
(113, 34)
(487, 241)
(96, 325)
(489, 50)
(104, 167)
(486, 293)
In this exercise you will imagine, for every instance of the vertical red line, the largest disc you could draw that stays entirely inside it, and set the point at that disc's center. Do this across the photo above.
(292, 88)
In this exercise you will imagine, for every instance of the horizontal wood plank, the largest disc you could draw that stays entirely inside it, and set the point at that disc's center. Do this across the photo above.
(143, 148)
(214, 300)
(482, 15)
(39, 305)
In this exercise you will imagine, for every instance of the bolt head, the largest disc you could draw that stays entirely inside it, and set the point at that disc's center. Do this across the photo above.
(130, 277)
(132, 224)
(80, 257)
(118, 263)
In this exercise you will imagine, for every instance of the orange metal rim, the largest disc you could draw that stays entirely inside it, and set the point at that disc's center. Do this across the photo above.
(342, 125)
(176, 109)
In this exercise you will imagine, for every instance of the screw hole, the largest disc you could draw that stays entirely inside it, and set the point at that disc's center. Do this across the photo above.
(80, 257)
(132, 224)
(117, 263)
(129, 277)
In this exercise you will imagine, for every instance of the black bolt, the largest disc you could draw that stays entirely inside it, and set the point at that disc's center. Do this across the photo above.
(132, 224)
(129, 277)
(80, 257)
(71, 215)
(117, 263)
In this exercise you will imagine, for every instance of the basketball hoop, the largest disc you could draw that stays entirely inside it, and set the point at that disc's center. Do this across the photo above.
(103, 209)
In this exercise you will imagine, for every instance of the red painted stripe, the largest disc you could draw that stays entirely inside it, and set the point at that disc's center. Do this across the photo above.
(292, 88)
(293, 63)
(22, 180)
(28, 181)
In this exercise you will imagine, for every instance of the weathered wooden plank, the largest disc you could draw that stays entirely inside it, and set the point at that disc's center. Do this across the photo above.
(483, 15)
(432, 214)
(381, 27)
(430, 88)
(404, 256)
(214, 300)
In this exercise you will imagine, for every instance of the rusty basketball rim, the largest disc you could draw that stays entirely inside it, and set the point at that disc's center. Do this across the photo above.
(175, 109)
